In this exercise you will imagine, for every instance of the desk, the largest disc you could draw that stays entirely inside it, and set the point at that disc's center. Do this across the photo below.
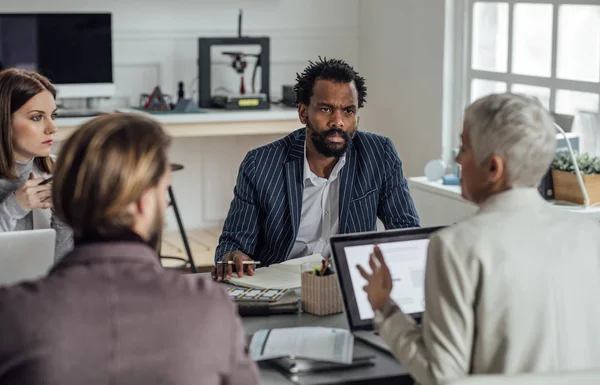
(211, 146)
(385, 371)
(277, 120)
(441, 205)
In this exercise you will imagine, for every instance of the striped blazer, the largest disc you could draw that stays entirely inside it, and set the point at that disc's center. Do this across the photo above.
(264, 215)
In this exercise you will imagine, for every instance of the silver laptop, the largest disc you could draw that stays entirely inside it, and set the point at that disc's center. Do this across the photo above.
(25, 255)
(405, 252)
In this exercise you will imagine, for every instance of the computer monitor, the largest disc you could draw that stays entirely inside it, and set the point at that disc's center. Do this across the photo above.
(74, 50)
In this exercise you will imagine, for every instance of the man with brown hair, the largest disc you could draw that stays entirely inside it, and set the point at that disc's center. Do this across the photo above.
(108, 312)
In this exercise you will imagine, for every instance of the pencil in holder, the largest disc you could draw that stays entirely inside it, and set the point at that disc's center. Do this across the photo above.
(321, 294)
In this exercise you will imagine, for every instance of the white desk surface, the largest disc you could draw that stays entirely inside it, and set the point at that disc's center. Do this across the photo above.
(210, 116)
(454, 192)
(436, 187)
(276, 120)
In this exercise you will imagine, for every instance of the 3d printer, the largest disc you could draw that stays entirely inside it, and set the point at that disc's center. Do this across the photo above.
(235, 100)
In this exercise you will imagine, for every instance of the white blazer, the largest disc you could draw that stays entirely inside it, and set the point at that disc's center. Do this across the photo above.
(515, 288)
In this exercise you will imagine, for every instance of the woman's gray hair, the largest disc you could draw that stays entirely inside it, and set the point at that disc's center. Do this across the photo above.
(516, 128)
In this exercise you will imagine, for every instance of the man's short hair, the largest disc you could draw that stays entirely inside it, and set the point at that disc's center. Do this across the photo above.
(519, 130)
(107, 164)
(334, 70)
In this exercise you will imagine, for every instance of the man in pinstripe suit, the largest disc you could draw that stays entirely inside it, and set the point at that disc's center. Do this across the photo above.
(326, 178)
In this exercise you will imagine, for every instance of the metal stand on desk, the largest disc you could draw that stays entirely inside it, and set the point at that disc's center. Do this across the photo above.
(173, 203)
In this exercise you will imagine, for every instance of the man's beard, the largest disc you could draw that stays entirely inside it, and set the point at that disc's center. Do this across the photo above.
(156, 230)
(325, 148)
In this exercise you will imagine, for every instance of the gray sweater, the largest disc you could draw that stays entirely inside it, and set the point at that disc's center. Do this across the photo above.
(13, 217)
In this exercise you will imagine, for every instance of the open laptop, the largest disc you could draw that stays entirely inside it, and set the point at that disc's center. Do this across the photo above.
(25, 255)
(405, 252)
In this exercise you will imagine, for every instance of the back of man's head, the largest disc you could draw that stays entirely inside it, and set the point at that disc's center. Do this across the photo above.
(518, 129)
(107, 165)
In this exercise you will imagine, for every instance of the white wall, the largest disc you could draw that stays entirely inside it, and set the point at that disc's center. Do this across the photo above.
(401, 55)
(155, 42)
(398, 45)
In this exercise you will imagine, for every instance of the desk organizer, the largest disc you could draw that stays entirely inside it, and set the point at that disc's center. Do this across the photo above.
(321, 295)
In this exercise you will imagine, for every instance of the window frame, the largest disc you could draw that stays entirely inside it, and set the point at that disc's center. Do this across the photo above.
(458, 47)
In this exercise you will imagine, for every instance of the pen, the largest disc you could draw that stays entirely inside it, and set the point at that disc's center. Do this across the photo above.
(324, 269)
(45, 181)
(243, 263)
(324, 266)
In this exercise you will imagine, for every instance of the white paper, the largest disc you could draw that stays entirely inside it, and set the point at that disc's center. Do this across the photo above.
(268, 278)
(315, 343)
(285, 275)
(295, 265)
(406, 262)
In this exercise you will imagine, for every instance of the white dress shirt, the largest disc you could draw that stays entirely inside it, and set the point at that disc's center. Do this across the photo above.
(512, 289)
(320, 211)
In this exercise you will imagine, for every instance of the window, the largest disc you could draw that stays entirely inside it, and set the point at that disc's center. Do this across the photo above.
(549, 49)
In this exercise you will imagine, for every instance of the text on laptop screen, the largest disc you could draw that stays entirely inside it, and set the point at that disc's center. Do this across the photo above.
(406, 262)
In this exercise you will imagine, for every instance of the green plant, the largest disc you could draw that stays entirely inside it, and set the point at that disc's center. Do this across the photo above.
(588, 165)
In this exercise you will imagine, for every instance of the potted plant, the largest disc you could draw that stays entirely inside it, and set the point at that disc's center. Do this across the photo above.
(566, 187)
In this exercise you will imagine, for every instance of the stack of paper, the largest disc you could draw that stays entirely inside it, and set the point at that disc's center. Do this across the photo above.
(314, 343)
(284, 275)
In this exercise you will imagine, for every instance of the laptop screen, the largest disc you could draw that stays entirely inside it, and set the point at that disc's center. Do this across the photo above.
(405, 252)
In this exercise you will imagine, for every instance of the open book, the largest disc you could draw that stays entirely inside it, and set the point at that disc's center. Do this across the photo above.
(285, 275)
(310, 342)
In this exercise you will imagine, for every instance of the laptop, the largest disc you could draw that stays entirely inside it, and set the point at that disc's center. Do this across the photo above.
(26, 255)
(405, 252)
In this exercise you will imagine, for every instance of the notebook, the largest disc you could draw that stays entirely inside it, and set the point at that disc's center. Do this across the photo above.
(293, 366)
(316, 343)
(285, 275)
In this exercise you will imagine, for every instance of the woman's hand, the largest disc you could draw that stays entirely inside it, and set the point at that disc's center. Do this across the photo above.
(379, 282)
(32, 196)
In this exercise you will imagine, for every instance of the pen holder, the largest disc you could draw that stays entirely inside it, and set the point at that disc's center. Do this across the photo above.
(320, 295)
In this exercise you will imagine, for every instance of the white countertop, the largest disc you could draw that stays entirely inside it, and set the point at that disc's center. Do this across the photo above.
(454, 192)
(437, 187)
(210, 116)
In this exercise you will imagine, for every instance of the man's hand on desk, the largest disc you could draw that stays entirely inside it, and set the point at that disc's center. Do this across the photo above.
(220, 272)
